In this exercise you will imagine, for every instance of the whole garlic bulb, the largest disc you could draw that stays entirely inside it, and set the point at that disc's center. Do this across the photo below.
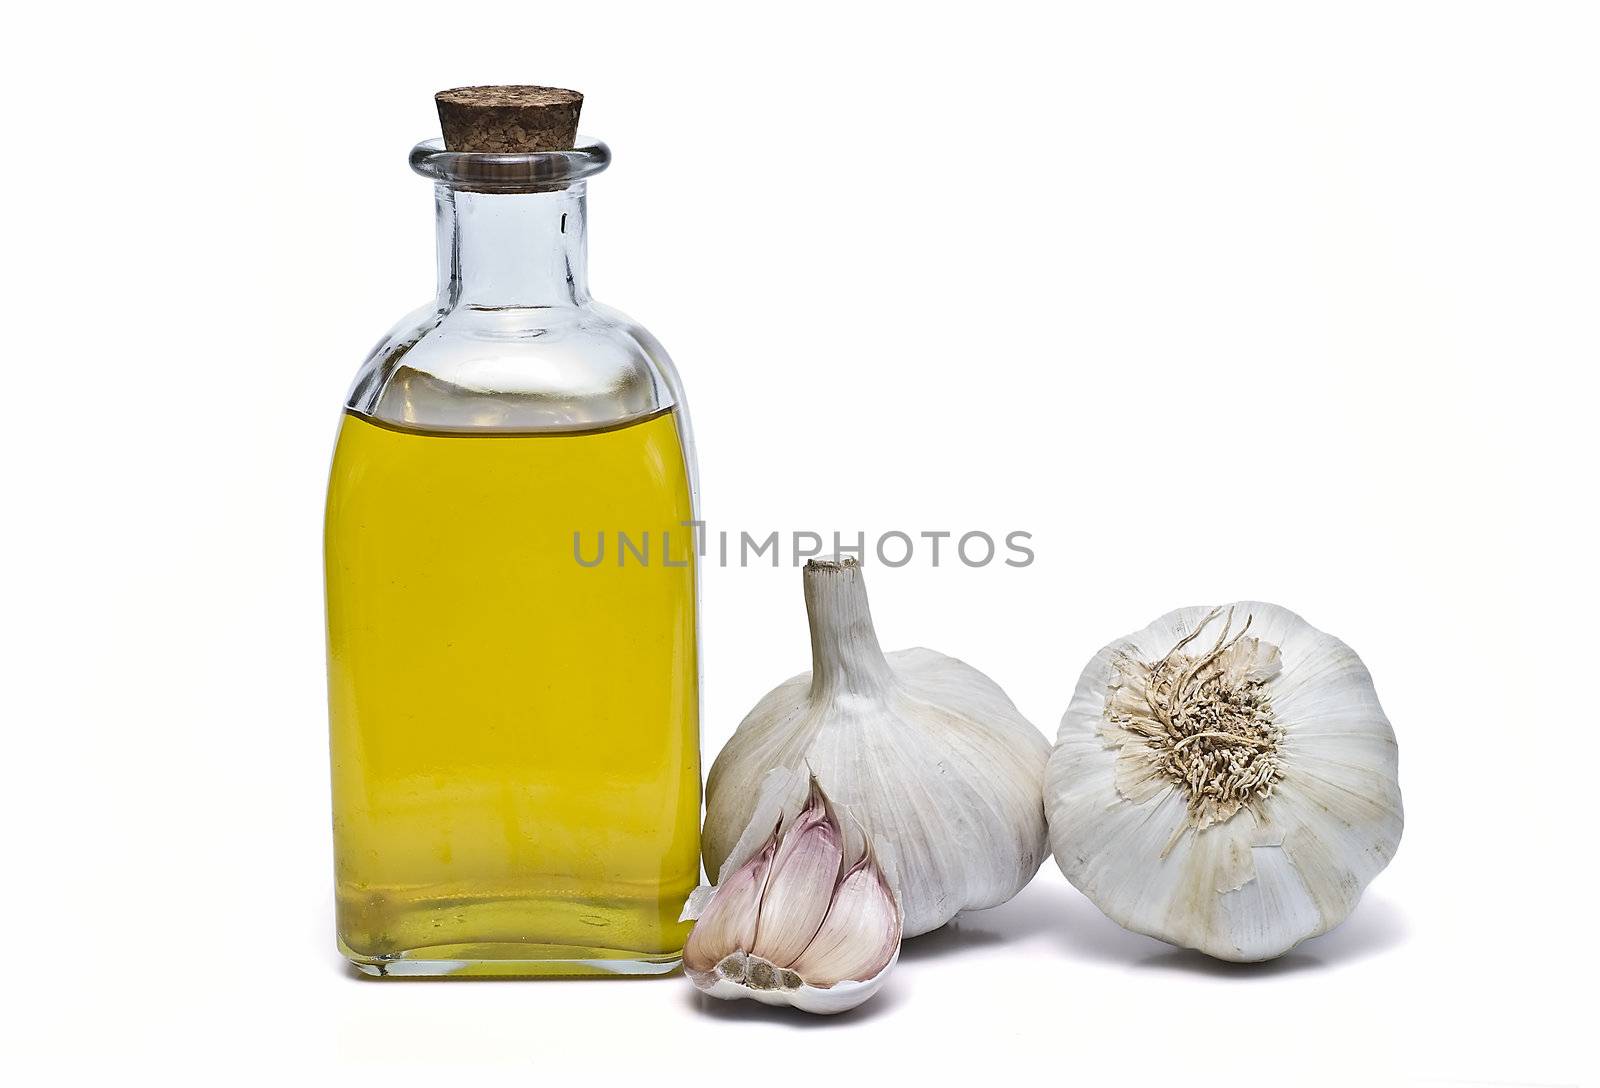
(1225, 780)
(796, 918)
(925, 751)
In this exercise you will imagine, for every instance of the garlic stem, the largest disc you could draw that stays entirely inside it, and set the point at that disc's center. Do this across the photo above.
(845, 655)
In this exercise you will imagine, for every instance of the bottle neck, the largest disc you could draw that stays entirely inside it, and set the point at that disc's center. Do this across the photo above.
(508, 250)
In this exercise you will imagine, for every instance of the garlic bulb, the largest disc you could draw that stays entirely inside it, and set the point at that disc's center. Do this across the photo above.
(1225, 780)
(793, 921)
(927, 752)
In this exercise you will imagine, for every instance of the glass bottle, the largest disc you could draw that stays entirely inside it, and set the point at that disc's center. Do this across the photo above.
(513, 678)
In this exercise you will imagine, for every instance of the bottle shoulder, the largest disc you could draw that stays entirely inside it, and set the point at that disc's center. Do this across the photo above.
(548, 368)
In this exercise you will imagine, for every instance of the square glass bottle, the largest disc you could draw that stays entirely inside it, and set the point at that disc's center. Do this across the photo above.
(514, 717)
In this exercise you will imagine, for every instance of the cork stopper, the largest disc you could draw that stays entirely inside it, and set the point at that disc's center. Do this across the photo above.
(509, 120)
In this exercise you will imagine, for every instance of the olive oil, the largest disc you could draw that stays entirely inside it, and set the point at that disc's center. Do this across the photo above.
(516, 774)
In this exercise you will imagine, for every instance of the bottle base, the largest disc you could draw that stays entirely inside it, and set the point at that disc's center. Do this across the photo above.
(512, 961)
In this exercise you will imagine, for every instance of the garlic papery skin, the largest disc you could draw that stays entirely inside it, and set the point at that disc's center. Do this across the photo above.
(790, 923)
(925, 751)
(1225, 780)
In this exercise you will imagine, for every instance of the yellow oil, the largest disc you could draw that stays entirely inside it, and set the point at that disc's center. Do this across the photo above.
(516, 779)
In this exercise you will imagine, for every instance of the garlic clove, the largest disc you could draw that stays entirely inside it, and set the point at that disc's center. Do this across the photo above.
(804, 874)
(840, 956)
(729, 919)
(860, 934)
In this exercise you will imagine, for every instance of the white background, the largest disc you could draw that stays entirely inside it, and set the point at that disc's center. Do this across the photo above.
(1217, 301)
